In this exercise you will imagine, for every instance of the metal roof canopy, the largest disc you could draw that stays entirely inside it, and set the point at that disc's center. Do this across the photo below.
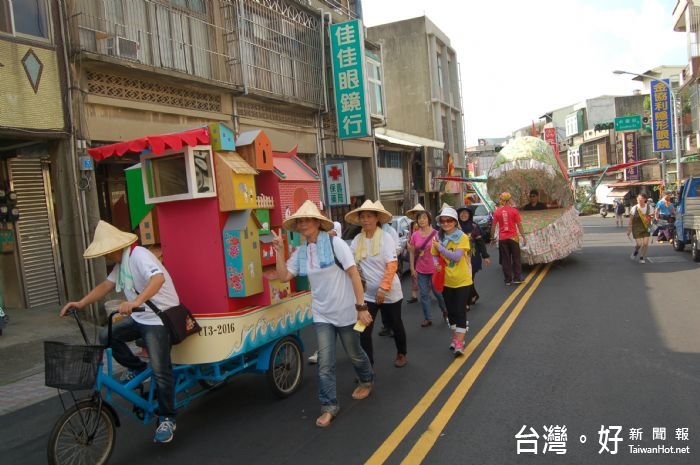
(408, 140)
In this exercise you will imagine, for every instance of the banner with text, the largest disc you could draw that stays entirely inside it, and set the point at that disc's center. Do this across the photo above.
(347, 57)
(661, 115)
(629, 155)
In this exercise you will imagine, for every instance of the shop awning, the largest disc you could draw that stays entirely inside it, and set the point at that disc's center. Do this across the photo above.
(155, 144)
(628, 184)
(618, 192)
(407, 140)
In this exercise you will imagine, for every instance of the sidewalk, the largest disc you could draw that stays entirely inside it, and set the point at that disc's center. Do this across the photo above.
(22, 354)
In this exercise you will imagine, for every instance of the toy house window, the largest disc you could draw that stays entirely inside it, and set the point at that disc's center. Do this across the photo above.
(178, 175)
(264, 155)
(255, 245)
(203, 171)
(169, 176)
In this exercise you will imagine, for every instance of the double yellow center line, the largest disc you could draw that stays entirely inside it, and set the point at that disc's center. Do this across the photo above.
(427, 440)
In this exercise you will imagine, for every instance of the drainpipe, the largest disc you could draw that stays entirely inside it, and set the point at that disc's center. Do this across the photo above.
(321, 133)
(88, 276)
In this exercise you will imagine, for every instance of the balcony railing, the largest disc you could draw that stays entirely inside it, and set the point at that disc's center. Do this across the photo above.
(153, 34)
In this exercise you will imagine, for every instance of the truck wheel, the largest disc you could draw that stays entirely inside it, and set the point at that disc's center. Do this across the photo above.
(695, 251)
(286, 368)
(678, 244)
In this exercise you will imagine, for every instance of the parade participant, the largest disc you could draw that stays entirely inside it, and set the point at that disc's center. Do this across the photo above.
(534, 203)
(386, 330)
(337, 231)
(453, 246)
(141, 277)
(507, 220)
(638, 227)
(375, 253)
(336, 302)
(479, 253)
(422, 262)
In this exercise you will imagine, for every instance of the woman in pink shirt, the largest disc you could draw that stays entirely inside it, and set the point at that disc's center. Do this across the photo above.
(422, 266)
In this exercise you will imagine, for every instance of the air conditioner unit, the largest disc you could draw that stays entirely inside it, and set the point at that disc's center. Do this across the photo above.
(123, 48)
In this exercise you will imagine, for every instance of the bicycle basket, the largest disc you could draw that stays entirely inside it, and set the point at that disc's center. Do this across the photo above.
(71, 367)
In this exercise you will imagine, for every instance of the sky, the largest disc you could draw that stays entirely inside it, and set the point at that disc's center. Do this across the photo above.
(521, 59)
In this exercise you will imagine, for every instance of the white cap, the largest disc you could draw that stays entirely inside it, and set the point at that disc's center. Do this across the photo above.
(450, 213)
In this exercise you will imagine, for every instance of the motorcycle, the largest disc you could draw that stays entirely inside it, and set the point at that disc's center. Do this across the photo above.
(664, 229)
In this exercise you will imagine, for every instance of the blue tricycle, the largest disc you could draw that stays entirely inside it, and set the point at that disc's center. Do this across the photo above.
(86, 432)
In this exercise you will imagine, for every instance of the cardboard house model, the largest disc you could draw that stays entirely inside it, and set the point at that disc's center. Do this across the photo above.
(242, 252)
(235, 181)
(255, 148)
(291, 183)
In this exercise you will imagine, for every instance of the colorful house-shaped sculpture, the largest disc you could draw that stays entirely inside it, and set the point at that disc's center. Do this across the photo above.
(290, 183)
(235, 182)
(242, 252)
(256, 148)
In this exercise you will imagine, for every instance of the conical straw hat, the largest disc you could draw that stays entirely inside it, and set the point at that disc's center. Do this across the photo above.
(308, 209)
(383, 216)
(414, 211)
(108, 239)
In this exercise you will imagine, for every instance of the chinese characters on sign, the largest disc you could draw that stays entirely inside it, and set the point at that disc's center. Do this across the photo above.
(610, 439)
(629, 155)
(337, 184)
(661, 116)
(347, 53)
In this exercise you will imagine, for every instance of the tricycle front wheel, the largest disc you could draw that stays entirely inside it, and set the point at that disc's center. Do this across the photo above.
(286, 367)
(85, 433)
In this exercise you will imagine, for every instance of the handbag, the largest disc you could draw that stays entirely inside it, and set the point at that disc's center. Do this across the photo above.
(178, 320)
(439, 276)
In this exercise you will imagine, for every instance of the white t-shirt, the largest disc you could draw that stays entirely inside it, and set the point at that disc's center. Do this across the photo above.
(332, 296)
(647, 210)
(373, 268)
(144, 265)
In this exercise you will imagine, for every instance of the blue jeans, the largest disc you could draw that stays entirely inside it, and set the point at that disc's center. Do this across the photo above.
(326, 335)
(157, 341)
(425, 286)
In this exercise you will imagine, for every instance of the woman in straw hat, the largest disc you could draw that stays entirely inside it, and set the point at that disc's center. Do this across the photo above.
(421, 262)
(507, 220)
(453, 246)
(375, 252)
(141, 277)
(337, 303)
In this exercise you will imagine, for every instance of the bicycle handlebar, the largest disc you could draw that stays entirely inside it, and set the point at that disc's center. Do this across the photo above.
(110, 318)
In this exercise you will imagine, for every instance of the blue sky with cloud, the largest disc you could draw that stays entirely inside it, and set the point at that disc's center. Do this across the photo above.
(521, 59)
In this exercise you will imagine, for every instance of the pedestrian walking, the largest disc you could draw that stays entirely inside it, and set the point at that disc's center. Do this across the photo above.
(619, 208)
(421, 262)
(337, 302)
(641, 215)
(507, 221)
(142, 278)
(479, 253)
(375, 253)
(451, 247)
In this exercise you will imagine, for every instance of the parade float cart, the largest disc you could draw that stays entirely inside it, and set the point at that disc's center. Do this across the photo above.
(526, 164)
(210, 201)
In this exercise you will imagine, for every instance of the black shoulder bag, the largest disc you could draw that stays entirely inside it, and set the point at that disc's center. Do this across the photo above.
(178, 320)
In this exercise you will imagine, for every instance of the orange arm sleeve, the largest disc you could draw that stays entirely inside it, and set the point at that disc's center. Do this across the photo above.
(389, 273)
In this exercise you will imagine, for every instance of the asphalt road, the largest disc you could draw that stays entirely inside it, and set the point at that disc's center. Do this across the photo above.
(592, 343)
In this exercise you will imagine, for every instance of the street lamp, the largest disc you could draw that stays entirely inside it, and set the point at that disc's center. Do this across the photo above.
(676, 118)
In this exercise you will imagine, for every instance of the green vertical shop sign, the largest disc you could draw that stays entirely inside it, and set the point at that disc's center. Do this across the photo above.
(351, 103)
